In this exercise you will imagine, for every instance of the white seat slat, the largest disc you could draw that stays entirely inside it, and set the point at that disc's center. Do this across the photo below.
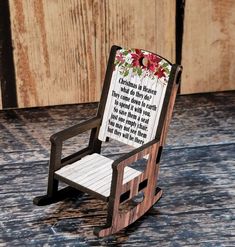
(83, 165)
(81, 175)
(66, 170)
(129, 173)
(92, 174)
(100, 181)
(99, 177)
(95, 173)
(104, 187)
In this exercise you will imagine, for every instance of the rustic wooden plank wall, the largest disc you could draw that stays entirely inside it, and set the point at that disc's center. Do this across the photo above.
(208, 46)
(61, 47)
(143, 24)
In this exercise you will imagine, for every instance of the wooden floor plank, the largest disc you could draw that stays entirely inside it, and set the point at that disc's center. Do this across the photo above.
(197, 207)
(197, 176)
(212, 121)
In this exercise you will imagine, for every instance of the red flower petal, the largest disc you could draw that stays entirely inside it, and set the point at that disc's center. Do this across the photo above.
(160, 73)
(137, 56)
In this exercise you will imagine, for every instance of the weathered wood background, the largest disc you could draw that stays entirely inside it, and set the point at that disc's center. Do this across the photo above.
(196, 174)
(208, 53)
(61, 47)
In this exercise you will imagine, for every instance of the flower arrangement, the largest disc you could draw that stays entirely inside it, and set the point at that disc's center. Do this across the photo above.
(141, 63)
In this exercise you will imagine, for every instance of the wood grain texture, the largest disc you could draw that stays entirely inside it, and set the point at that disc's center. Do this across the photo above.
(208, 46)
(95, 173)
(118, 219)
(61, 47)
(54, 46)
(121, 181)
(196, 174)
(149, 25)
(0, 99)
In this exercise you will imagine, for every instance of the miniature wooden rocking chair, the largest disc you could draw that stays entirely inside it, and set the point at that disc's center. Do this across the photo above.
(135, 108)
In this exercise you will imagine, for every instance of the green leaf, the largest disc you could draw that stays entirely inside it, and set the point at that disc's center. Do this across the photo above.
(165, 65)
(167, 70)
(126, 73)
(125, 53)
(139, 71)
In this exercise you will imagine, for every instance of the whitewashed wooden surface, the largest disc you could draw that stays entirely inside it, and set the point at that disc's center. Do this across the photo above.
(95, 173)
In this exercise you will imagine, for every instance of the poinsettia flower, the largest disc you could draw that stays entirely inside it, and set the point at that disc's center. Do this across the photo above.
(160, 73)
(120, 58)
(151, 66)
(137, 57)
(153, 58)
(141, 63)
(150, 62)
(153, 62)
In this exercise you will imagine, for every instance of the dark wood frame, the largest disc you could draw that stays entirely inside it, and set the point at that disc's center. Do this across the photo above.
(179, 29)
(7, 70)
(116, 220)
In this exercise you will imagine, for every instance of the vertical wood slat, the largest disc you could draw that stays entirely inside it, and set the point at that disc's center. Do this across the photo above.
(208, 46)
(149, 25)
(61, 47)
(54, 43)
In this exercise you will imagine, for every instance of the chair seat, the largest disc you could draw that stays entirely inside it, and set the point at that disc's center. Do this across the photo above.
(94, 173)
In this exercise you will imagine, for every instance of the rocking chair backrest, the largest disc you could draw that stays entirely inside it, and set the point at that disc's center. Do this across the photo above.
(137, 89)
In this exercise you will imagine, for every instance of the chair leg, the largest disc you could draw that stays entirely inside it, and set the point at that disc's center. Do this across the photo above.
(52, 189)
(122, 220)
(58, 196)
(53, 194)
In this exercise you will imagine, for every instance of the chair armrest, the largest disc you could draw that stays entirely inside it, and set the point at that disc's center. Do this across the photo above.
(134, 155)
(75, 130)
